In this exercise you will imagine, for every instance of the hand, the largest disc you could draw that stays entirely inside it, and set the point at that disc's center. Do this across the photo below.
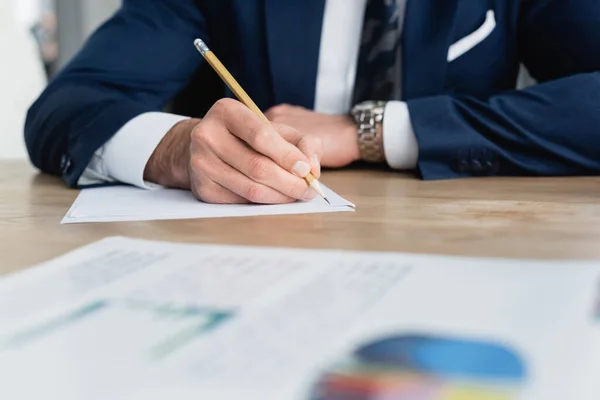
(232, 156)
(337, 133)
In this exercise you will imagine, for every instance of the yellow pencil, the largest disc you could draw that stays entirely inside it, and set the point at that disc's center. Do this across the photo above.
(243, 97)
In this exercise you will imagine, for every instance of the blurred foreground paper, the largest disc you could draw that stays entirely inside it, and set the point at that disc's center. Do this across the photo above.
(125, 203)
(132, 319)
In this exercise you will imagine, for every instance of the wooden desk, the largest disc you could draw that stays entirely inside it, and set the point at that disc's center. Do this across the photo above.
(498, 217)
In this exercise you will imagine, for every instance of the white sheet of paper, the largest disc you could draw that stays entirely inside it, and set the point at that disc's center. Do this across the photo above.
(132, 319)
(125, 203)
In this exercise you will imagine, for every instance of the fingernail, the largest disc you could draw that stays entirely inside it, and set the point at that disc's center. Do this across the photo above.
(316, 162)
(301, 169)
(309, 195)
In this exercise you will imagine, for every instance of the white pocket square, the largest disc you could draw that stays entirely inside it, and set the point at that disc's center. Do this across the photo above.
(468, 42)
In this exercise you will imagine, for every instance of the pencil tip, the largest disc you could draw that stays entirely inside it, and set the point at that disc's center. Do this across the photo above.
(327, 200)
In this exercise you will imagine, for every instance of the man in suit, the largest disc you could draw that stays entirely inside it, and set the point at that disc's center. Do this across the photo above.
(424, 85)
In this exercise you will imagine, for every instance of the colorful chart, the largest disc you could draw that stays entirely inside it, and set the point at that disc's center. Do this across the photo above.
(422, 367)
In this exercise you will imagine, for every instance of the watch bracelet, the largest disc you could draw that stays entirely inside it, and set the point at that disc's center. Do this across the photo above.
(370, 142)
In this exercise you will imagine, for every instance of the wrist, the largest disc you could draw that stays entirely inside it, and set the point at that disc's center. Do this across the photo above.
(168, 165)
(351, 133)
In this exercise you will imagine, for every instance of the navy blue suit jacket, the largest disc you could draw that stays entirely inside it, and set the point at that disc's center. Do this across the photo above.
(467, 115)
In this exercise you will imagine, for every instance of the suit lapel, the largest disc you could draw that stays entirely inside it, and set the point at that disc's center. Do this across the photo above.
(426, 40)
(294, 41)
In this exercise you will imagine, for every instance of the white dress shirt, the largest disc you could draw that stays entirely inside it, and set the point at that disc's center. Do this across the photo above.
(124, 157)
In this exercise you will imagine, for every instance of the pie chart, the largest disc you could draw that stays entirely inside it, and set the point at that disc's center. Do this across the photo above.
(424, 367)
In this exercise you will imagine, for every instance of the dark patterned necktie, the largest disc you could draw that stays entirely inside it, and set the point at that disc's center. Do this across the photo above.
(378, 70)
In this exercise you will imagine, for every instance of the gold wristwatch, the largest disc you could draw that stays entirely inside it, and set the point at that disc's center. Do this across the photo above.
(369, 119)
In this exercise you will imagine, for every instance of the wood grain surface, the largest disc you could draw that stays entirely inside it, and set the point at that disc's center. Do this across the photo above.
(544, 218)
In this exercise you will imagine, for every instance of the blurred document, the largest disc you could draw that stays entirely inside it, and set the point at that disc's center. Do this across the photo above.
(133, 319)
(125, 203)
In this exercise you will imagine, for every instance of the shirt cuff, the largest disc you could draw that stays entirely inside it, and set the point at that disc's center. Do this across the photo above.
(125, 155)
(94, 173)
(399, 140)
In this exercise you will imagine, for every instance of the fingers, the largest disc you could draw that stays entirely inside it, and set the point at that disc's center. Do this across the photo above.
(309, 145)
(209, 191)
(217, 182)
(259, 168)
(262, 137)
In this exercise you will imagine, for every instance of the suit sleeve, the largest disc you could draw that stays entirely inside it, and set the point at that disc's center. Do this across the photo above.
(133, 64)
(550, 129)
